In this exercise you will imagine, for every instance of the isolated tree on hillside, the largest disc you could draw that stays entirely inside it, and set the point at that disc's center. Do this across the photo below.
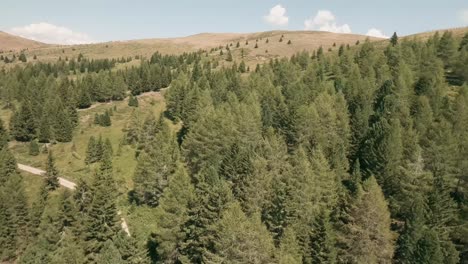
(133, 101)
(242, 68)
(394, 39)
(51, 174)
(33, 148)
(22, 57)
(229, 56)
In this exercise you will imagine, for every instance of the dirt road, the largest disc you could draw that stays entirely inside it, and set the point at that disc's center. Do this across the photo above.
(69, 185)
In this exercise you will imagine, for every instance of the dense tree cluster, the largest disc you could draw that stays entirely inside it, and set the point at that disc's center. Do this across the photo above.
(354, 156)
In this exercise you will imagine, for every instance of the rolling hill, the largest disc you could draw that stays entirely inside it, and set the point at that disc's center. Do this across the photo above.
(9, 42)
(300, 40)
(268, 45)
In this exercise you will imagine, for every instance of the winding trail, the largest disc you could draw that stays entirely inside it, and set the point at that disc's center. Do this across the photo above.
(69, 185)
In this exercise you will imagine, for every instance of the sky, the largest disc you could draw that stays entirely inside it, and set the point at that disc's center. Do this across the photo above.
(87, 21)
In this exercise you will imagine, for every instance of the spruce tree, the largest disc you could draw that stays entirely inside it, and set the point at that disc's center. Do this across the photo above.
(241, 239)
(322, 241)
(102, 222)
(212, 197)
(33, 148)
(91, 151)
(63, 126)
(368, 232)
(51, 174)
(22, 124)
(394, 39)
(171, 214)
(4, 137)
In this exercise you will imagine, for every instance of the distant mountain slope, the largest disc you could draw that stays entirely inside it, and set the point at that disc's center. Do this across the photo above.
(11, 42)
(457, 32)
(300, 40)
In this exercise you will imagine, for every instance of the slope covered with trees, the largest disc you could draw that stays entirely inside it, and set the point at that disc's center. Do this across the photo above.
(357, 156)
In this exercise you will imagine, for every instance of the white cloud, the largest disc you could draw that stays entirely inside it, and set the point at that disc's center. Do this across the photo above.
(49, 33)
(373, 32)
(277, 16)
(324, 20)
(463, 15)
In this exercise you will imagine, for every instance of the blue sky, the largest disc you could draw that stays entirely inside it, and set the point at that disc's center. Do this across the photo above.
(103, 20)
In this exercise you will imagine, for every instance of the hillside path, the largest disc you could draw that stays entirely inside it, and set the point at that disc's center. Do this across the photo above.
(69, 185)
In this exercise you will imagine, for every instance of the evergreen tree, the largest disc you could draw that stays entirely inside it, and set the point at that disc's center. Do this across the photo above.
(92, 151)
(51, 174)
(63, 126)
(102, 222)
(171, 214)
(241, 239)
(212, 196)
(133, 101)
(4, 137)
(33, 148)
(22, 124)
(394, 39)
(368, 231)
(322, 241)
(229, 56)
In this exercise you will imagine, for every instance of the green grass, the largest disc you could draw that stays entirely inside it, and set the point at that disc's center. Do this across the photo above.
(32, 185)
(71, 165)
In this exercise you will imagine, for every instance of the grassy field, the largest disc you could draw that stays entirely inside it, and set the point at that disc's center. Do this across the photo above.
(70, 156)
(300, 40)
(71, 163)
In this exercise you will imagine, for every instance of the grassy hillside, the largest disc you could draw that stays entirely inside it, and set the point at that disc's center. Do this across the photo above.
(70, 156)
(300, 40)
(10, 42)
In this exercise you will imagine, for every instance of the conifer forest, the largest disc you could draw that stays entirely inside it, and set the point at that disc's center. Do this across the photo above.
(357, 153)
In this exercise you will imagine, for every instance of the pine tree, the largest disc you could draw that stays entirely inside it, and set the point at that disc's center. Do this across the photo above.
(133, 101)
(289, 251)
(130, 251)
(108, 147)
(51, 174)
(394, 39)
(212, 196)
(91, 151)
(4, 137)
(45, 133)
(322, 241)
(102, 223)
(109, 254)
(69, 251)
(63, 126)
(368, 231)
(161, 155)
(241, 239)
(229, 56)
(14, 213)
(171, 214)
(22, 57)
(23, 126)
(33, 148)
(242, 67)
